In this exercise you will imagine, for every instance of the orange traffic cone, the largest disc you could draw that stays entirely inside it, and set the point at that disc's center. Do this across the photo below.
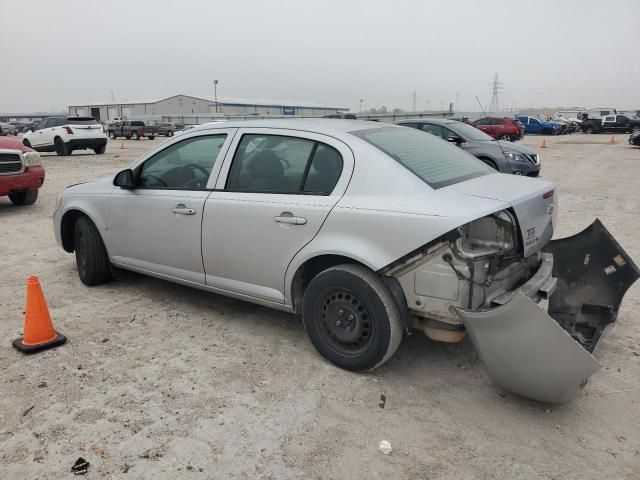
(612, 140)
(543, 143)
(38, 329)
(121, 145)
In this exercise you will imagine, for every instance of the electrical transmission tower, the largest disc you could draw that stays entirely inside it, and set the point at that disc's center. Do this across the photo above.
(495, 101)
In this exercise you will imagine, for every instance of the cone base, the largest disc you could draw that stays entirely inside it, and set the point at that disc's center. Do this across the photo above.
(58, 340)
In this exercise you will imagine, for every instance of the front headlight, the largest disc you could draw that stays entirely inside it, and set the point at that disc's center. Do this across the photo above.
(515, 156)
(31, 159)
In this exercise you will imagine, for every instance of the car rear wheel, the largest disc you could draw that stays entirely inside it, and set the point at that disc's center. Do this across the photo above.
(635, 129)
(91, 255)
(61, 148)
(169, 133)
(24, 198)
(506, 138)
(112, 135)
(351, 317)
(100, 150)
(588, 130)
(134, 135)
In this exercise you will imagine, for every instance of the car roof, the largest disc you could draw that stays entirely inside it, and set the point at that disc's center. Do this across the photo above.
(330, 126)
(442, 121)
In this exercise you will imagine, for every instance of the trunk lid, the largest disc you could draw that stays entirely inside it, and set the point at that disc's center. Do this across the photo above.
(533, 201)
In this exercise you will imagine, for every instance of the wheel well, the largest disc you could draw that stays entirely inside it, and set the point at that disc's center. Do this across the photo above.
(490, 161)
(310, 269)
(67, 228)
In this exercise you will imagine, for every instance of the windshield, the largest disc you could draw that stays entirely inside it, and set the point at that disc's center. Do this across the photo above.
(435, 161)
(469, 132)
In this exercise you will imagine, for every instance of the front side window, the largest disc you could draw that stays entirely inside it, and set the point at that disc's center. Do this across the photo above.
(534, 121)
(182, 166)
(434, 161)
(281, 164)
(482, 121)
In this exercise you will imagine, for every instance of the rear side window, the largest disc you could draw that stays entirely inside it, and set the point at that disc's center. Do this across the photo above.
(137, 124)
(281, 164)
(81, 121)
(482, 121)
(534, 121)
(436, 162)
(497, 121)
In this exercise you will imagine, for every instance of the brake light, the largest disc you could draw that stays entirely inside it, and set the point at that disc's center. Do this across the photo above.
(69, 130)
(548, 194)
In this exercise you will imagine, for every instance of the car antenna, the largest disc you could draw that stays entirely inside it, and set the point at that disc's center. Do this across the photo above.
(487, 119)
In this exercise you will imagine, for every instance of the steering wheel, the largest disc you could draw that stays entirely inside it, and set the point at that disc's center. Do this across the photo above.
(285, 162)
(195, 166)
(149, 175)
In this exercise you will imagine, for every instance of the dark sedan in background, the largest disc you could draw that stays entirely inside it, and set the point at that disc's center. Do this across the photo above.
(506, 157)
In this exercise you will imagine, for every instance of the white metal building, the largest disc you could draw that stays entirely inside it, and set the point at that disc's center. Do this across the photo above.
(188, 106)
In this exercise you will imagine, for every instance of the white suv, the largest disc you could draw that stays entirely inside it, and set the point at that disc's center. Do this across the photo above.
(63, 135)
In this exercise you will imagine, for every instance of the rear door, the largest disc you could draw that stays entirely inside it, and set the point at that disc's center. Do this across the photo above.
(274, 192)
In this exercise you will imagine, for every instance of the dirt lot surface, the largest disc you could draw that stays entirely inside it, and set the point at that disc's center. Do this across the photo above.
(161, 381)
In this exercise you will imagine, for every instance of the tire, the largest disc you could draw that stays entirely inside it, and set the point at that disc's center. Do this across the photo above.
(589, 130)
(61, 148)
(151, 137)
(112, 135)
(128, 138)
(134, 135)
(506, 138)
(24, 198)
(351, 317)
(635, 129)
(100, 150)
(91, 256)
(170, 133)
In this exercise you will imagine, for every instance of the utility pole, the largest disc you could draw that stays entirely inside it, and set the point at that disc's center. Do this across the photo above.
(361, 100)
(215, 93)
(414, 100)
(494, 106)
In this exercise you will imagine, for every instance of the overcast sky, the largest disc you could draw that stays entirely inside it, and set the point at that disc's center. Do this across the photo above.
(546, 52)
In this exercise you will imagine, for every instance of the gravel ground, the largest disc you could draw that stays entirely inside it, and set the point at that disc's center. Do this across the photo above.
(161, 381)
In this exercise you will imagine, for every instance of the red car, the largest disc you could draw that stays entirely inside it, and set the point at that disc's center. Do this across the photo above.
(508, 129)
(21, 174)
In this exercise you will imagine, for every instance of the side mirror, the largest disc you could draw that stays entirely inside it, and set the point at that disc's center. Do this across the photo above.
(454, 139)
(124, 179)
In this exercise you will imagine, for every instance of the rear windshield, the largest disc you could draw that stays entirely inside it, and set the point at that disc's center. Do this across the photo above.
(437, 162)
(82, 121)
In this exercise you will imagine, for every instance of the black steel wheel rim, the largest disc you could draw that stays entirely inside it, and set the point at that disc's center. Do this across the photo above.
(344, 322)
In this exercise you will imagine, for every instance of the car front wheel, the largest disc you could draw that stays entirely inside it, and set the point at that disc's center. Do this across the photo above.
(24, 198)
(91, 255)
(351, 317)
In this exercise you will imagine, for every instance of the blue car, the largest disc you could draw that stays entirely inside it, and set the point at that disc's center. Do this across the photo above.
(535, 125)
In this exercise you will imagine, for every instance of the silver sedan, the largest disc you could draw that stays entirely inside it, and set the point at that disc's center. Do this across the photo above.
(370, 232)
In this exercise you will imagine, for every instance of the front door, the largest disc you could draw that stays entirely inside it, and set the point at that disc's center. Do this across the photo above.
(156, 226)
(275, 190)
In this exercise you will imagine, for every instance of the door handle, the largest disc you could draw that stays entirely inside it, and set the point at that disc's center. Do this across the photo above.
(288, 218)
(182, 209)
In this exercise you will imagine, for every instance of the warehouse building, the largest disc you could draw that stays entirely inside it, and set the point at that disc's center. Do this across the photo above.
(188, 106)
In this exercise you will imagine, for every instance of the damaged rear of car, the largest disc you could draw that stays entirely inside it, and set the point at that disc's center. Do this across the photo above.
(494, 277)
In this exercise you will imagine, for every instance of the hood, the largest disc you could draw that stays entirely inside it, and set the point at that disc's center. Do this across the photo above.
(98, 186)
(510, 147)
(530, 199)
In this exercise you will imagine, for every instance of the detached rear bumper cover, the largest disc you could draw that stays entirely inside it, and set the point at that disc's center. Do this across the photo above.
(543, 356)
